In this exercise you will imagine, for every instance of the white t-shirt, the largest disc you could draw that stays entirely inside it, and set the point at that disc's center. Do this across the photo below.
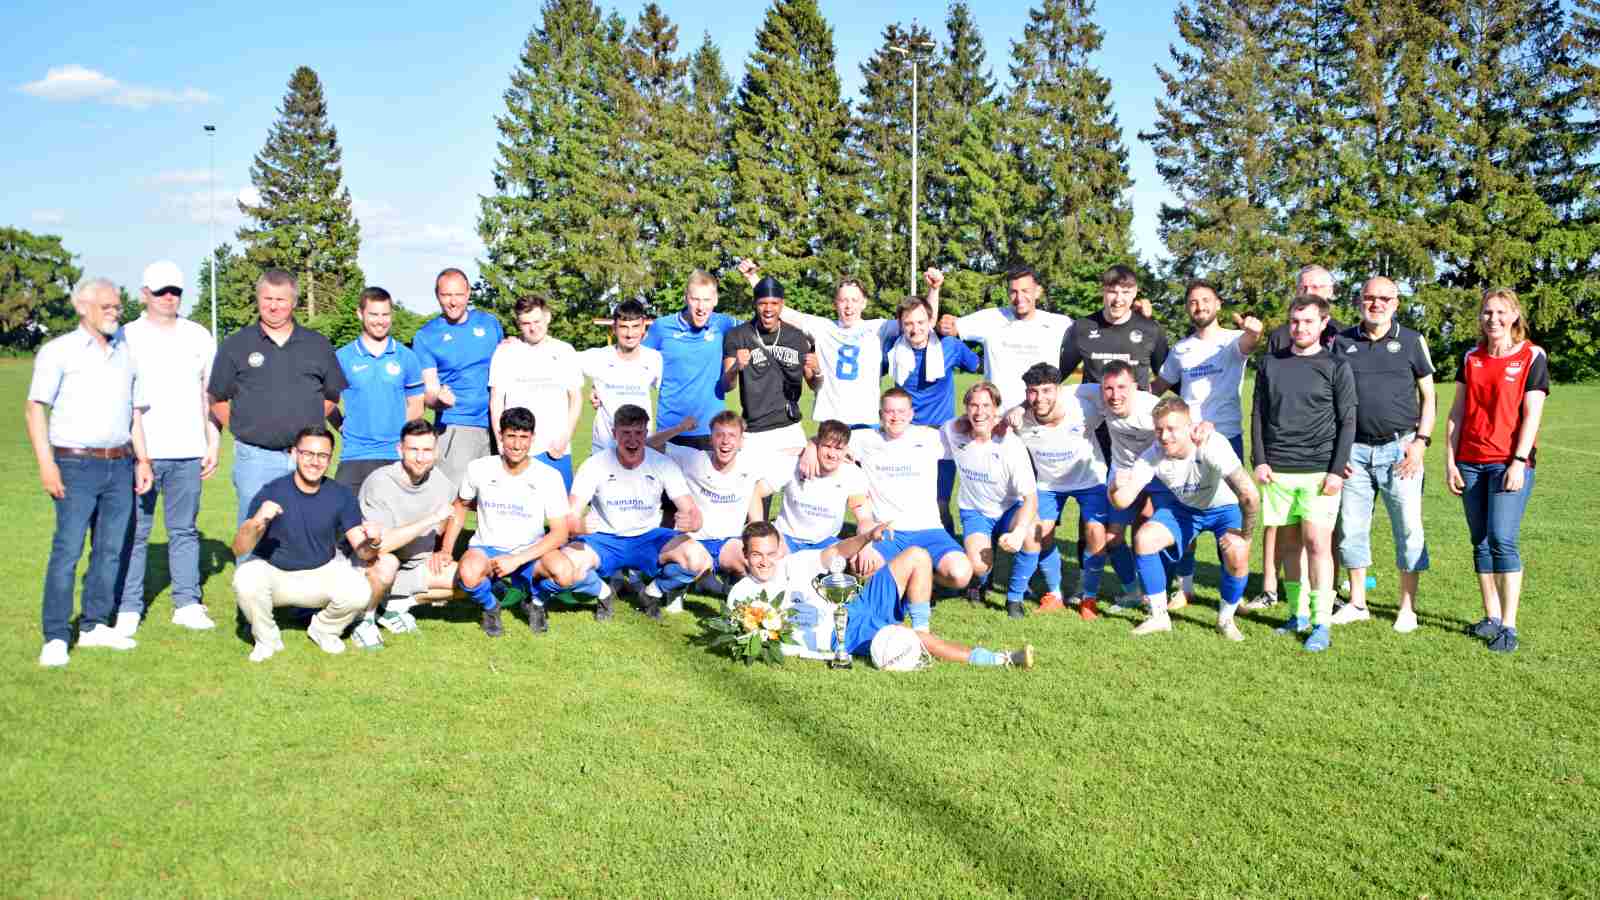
(173, 366)
(512, 509)
(1199, 480)
(852, 365)
(791, 587)
(538, 378)
(1066, 455)
(902, 475)
(814, 508)
(1132, 434)
(1209, 376)
(1011, 346)
(723, 497)
(994, 474)
(622, 501)
(618, 382)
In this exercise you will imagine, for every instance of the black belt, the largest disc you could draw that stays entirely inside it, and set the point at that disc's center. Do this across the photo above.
(1382, 438)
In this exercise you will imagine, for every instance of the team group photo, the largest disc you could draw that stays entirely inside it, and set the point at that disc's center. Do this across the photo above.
(655, 539)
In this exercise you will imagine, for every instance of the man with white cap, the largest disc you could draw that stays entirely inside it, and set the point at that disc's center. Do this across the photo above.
(172, 356)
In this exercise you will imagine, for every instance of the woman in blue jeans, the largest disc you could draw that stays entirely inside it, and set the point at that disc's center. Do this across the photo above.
(1490, 454)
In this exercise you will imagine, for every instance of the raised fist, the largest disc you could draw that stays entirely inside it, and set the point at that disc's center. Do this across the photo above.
(268, 511)
(934, 278)
(741, 357)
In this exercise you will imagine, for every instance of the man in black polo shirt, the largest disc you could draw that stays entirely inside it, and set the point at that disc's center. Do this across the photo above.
(295, 525)
(269, 381)
(768, 360)
(1394, 425)
(1117, 332)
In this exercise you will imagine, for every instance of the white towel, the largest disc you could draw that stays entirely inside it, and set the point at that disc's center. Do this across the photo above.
(903, 359)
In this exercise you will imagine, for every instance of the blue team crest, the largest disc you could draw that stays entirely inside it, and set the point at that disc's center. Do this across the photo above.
(708, 336)
(449, 337)
(478, 332)
(392, 368)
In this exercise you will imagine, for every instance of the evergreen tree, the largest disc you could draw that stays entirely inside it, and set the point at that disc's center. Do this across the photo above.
(710, 191)
(796, 187)
(236, 295)
(37, 275)
(304, 224)
(561, 221)
(1073, 211)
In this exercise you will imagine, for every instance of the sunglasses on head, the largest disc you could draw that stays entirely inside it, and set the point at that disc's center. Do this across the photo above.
(169, 290)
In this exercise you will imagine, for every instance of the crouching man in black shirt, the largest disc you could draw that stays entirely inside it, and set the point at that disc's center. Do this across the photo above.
(294, 528)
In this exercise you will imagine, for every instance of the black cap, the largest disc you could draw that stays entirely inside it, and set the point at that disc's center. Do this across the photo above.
(768, 287)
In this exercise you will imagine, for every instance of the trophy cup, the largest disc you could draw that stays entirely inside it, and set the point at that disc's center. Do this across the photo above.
(839, 588)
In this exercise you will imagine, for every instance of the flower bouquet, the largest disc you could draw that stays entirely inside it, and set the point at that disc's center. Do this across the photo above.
(752, 629)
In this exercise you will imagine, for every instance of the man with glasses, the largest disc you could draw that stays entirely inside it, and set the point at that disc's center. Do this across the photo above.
(173, 358)
(1394, 426)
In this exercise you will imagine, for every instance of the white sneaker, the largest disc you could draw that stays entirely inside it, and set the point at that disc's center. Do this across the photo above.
(263, 651)
(193, 617)
(327, 643)
(54, 653)
(105, 636)
(1406, 621)
(1152, 625)
(1229, 629)
(1351, 613)
(365, 636)
(127, 624)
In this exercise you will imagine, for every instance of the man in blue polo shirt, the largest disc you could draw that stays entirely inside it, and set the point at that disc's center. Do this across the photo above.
(384, 392)
(454, 349)
(690, 344)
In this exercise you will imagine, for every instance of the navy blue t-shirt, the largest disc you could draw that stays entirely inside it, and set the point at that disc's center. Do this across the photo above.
(307, 532)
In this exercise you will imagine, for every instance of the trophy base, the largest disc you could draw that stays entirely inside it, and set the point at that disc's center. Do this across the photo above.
(846, 663)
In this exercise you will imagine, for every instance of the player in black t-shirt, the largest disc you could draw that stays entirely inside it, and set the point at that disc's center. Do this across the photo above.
(768, 361)
(1117, 331)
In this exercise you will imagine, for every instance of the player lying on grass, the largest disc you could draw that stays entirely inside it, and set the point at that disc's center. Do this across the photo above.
(899, 589)
(1208, 490)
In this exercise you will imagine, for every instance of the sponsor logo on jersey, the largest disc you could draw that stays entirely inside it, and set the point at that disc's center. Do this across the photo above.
(1094, 334)
(361, 368)
(1136, 336)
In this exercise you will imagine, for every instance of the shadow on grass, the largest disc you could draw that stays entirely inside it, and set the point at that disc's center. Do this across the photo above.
(215, 556)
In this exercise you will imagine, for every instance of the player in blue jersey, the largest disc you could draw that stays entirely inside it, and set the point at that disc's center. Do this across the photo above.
(455, 348)
(384, 391)
(690, 344)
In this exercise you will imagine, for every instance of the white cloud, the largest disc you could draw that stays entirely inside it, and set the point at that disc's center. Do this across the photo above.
(179, 176)
(194, 208)
(384, 226)
(73, 83)
(49, 216)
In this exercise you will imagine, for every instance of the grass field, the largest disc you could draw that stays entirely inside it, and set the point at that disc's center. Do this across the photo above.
(622, 760)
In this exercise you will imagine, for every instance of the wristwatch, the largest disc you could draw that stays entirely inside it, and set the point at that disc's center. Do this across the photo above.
(1426, 439)
(1520, 459)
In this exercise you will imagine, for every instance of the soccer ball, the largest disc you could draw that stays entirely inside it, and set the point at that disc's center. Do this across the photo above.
(896, 648)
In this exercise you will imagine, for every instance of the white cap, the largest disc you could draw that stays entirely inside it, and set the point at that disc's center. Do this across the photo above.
(164, 273)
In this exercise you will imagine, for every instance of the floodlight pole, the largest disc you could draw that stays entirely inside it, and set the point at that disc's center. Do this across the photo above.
(211, 227)
(910, 48)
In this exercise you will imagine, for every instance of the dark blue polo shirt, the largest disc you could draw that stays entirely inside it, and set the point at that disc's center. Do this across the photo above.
(1386, 373)
(308, 531)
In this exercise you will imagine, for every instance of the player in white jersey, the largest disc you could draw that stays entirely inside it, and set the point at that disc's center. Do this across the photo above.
(901, 462)
(1013, 339)
(624, 372)
(814, 507)
(1208, 490)
(623, 487)
(522, 521)
(541, 374)
(726, 486)
(1206, 369)
(1058, 427)
(1126, 412)
(998, 498)
(901, 589)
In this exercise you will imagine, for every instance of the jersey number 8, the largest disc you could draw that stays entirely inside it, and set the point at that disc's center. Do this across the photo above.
(848, 365)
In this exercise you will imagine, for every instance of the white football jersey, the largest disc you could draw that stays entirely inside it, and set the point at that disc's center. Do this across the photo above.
(723, 497)
(1199, 480)
(902, 474)
(814, 508)
(1066, 455)
(791, 587)
(623, 501)
(852, 365)
(538, 378)
(994, 474)
(1011, 346)
(512, 509)
(1209, 376)
(619, 382)
(1132, 434)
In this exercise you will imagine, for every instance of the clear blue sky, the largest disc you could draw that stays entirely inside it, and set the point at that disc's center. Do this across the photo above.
(107, 103)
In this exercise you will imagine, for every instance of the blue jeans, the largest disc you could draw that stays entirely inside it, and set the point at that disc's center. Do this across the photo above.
(1373, 474)
(99, 501)
(179, 481)
(1494, 516)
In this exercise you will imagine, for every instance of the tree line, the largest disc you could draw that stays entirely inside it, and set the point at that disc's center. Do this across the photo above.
(1448, 144)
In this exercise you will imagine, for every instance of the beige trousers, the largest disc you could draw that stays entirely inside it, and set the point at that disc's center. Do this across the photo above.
(336, 588)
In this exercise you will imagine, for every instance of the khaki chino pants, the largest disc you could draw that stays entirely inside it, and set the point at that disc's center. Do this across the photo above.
(336, 588)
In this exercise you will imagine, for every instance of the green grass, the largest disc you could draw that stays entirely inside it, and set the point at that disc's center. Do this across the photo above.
(624, 760)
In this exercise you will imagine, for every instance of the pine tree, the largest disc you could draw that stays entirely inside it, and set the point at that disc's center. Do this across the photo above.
(796, 188)
(709, 192)
(561, 221)
(1074, 214)
(304, 224)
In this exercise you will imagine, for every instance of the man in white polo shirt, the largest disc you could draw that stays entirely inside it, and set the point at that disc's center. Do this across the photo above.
(172, 356)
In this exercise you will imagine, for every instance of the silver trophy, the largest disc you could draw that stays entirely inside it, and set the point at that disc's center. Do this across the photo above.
(838, 588)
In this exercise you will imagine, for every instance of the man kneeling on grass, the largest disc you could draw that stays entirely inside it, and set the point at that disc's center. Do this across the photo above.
(294, 526)
(1207, 490)
(903, 587)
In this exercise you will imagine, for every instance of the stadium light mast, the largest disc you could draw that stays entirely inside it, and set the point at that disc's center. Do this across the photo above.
(211, 226)
(912, 48)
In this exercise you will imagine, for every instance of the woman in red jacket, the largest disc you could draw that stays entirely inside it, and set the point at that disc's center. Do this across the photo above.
(1490, 453)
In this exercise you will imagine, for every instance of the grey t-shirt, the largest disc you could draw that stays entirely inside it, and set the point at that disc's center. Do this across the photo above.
(389, 498)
